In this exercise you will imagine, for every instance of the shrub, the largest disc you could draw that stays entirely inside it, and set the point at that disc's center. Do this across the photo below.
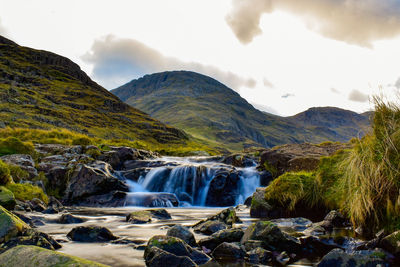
(13, 145)
(5, 176)
(25, 192)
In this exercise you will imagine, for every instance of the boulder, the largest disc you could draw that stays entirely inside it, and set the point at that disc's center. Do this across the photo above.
(94, 179)
(296, 157)
(52, 149)
(57, 178)
(260, 256)
(334, 219)
(314, 247)
(10, 225)
(145, 216)
(26, 256)
(183, 233)
(210, 227)
(37, 205)
(91, 233)
(152, 199)
(224, 189)
(339, 258)
(7, 199)
(175, 246)
(391, 243)
(25, 162)
(260, 208)
(228, 252)
(34, 238)
(227, 216)
(157, 257)
(271, 236)
(238, 160)
(69, 218)
(265, 178)
(226, 235)
(111, 199)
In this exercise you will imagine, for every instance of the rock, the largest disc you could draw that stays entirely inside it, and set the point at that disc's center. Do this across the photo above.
(226, 235)
(111, 199)
(26, 256)
(312, 246)
(10, 225)
(157, 257)
(228, 252)
(94, 179)
(7, 199)
(227, 216)
(145, 216)
(238, 160)
(265, 178)
(183, 233)
(224, 189)
(391, 243)
(334, 219)
(252, 244)
(91, 233)
(37, 205)
(210, 227)
(260, 208)
(152, 199)
(52, 149)
(175, 246)
(296, 157)
(271, 236)
(69, 218)
(25, 162)
(57, 178)
(315, 230)
(339, 258)
(247, 202)
(260, 256)
(292, 224)
(31, 237)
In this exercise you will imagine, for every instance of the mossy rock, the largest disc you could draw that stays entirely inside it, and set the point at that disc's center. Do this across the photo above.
(10, 225)
(392, 243)
(26, 256)
(145, 216)
(7, 199)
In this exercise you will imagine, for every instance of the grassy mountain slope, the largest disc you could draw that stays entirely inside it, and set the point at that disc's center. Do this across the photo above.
(39, 89)
(209, 110)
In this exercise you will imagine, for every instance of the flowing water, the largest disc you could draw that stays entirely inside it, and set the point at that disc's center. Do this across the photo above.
(189, 180)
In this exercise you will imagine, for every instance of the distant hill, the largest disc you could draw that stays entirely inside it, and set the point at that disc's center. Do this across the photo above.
(40, 89)
(209, 110)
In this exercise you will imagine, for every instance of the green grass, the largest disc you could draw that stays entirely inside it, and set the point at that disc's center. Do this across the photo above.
(12, 145)
(25, 192)
(5, 176)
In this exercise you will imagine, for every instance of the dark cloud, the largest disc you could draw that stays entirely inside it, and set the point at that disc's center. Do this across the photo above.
(267, 83)
(117, 61)
(397, 84)
(334, 90)
(357, 96)
(353, 21)
(287, 95)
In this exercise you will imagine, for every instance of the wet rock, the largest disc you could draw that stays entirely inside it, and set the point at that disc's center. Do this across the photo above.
(111, 199)
(94, 179)
(391, 243)
(7, 199)
(252, 244)
(183, 233)
(260, 208)
(228, 252)
(32, 238)
(227, 216)
(238, 160)
(25, 218)
(69, 219)
(10, 225)
(210, 227)
(175, 246)
(223, 190)
(315, 230)
(271, 236)
(25, 162)
(37, 205)
(312, 247)
(26, 256)
(334, 219)
(339, 258)
(292, 224)
(153, 199)
(248, 200)
(91, 233)
(265, 178)
(260, 256)
(145, 216)
(226, 235)
(157, 257)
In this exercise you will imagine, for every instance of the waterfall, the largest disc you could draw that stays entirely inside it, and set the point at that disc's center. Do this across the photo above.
(189, 179)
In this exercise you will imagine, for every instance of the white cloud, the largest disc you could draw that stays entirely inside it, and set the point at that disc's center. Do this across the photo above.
(334, 90)
(397, 84)
(267, 83)
(287, 95)
(117, 61)
(353, 21)
(357, 96)
(3, 30)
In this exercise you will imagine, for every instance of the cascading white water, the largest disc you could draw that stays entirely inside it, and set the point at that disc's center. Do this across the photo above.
(190, 178)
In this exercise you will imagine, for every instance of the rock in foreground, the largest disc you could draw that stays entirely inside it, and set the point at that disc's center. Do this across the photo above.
(91, 233)
(27, 256)
(10, 225)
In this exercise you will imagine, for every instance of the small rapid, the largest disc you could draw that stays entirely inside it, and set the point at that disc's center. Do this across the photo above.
(193, 181)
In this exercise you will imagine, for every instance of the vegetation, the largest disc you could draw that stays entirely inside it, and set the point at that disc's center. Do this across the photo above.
(25, 192)
(12, 145)
(5, 176)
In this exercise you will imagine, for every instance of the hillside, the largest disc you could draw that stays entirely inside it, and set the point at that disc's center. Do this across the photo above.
(39, 89)
(209, 110)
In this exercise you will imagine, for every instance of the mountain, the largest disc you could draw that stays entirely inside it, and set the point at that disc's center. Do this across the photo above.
(209, 110)
(40, 89)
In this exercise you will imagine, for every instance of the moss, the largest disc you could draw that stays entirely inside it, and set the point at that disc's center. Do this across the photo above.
(7, 199)
(17, 173)
(5, 176)
(10, 225)
(12, 145)
(379, 254)
(268, 167)
(25, 192)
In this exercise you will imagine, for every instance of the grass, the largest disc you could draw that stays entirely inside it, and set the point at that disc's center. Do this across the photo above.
(5, 176)
(12, 145)
(25, 192)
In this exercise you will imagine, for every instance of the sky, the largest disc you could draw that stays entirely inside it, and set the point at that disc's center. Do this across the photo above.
(282, 56)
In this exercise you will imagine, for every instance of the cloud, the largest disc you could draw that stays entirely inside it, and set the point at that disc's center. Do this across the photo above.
(334, 90)
(3, 30)
(117, 61)
(265, 108)
(357, 22)
(397, 84)
(287, 95)
(267, 83)
(358, 96)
